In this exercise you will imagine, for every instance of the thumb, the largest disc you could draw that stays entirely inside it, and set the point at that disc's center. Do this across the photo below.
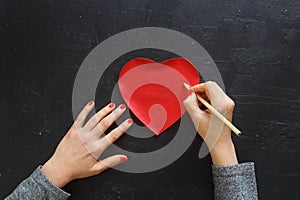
(109, 162)
(193, 109)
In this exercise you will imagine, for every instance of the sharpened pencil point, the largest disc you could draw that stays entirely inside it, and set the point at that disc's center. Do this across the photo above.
(187, 86)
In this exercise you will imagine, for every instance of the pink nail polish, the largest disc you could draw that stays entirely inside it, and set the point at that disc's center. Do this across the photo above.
(123, 159)
(91, 103)
(111, 105)
(122, 106)
(129, 121)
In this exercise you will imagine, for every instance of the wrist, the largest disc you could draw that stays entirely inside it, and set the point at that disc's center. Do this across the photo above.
(223, 154)
(56, 174)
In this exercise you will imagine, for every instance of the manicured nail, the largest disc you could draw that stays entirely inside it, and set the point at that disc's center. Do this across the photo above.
(91, 103)
(122, 106)
(111, 105)
(191, 94)
(129, 121)
(123, 158)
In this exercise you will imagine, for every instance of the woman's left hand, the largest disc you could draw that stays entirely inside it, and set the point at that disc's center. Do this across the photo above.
(77, 154)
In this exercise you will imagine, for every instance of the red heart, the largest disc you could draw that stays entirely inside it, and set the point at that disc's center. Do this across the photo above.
(154, 91)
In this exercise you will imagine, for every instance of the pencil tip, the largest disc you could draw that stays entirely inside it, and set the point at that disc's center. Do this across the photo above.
(187, 86)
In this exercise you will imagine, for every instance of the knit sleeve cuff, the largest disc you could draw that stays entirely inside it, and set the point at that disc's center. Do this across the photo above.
(233, 170)
(41, 179)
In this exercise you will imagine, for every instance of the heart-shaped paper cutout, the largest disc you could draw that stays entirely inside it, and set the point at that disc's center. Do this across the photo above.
(154, 92)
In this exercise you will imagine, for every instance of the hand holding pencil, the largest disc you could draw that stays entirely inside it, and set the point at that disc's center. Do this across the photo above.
(215, 112)
(211, 127)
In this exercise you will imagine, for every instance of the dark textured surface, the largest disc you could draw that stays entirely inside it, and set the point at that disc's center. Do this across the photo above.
(256, 45)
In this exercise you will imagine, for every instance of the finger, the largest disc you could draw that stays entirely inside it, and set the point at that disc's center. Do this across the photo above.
(230, 104)
(106, 122)
(97, 147)
(202, 87)
(209, 88)
(193, 109)
(109, 162)
(98, 116)
(203, 91)
(214, 89)
(211, 92)
(113, 136)
(83, 114)
(217, 96)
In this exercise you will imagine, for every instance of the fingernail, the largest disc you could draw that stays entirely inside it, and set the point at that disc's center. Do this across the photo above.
(111, 105)
(123, 158)
(191, 94)
(129, 121)
(122, 106)
(91, 103)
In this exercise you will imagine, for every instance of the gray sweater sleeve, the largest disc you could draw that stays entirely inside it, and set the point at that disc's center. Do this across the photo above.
(231, 182)
(235, 182)
(37, 187)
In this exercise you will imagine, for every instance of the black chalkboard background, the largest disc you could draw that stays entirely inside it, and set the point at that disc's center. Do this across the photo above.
(255, 44)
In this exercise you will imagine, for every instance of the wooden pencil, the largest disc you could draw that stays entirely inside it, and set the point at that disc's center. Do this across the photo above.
(215, 112)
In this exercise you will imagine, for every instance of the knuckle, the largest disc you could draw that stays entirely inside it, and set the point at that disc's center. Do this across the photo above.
(94, 119)
(101, 168)
(122, 129)
(74, 129)
(99, 114)
(230, 105)
(86, 110)
(115, 136)
(79, 119)
(209, 82)
(105, 122)
(104, 111)
(99, 129)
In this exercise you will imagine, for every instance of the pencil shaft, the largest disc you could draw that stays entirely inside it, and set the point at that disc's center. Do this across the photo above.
(219, 115)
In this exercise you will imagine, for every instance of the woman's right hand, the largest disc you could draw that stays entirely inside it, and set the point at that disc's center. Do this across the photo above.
(214, 132)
